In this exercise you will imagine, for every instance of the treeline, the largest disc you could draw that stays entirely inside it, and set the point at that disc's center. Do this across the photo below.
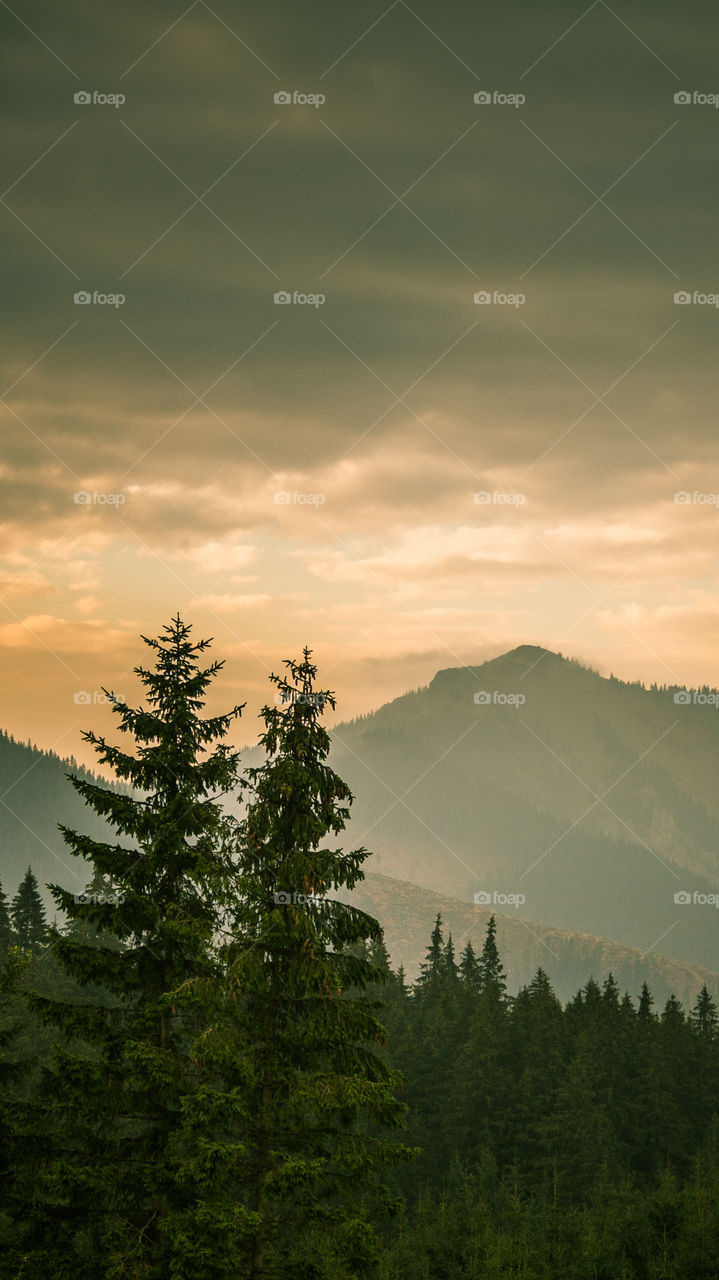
(578, 1141)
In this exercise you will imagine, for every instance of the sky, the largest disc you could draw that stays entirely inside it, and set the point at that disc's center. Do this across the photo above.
(354, 327)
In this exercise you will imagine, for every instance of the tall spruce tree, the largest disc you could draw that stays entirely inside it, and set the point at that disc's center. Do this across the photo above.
(432, 966)
(6, 935)
(121, 1179)
(317, 1090)
(469, 969)
(492, 976)
(27, 914)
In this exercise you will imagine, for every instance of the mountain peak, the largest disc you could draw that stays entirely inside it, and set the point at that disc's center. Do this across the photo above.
(526, 654)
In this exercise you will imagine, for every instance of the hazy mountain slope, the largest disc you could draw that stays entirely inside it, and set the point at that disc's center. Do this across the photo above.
(407, 914)
(460, 797)
(35, 796)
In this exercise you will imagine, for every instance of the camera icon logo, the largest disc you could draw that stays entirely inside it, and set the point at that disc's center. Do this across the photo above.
(682, 98)
(283, 298)
(282, 898)
(482, 97)
(482, 498)
(682, 698)
(682, 898)
(282, 97)
(682, 298)
(682, 497)
(283, 497)
(482, 698)
(82, 97)
(82, 697)
(483, 297)
(82, 298)
(483, 899)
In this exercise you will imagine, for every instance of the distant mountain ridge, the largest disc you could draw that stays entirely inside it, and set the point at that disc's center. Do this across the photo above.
(35, 796)
(407, 914)
(594, 798)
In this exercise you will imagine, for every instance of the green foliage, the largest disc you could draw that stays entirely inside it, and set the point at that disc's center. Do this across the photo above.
(570, 1142)
(6, 933)
(317, 1086)
(114, 1170)
(27, 914)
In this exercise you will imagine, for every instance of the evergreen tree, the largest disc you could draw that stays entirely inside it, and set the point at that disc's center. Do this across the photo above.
(704, 1022)
(492, 976)
(318, 1093)
(431, 968)
(6, 934)
(28, 914)
(449, 963)
(138, 1176)
(704, 1017)
(476, 1105)
(469, 969)
(645, 1012)
(538, 1053)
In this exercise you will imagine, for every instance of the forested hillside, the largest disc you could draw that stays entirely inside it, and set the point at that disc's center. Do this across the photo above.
(35, 797)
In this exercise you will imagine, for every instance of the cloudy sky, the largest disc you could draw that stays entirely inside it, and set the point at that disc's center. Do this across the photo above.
(382, 467)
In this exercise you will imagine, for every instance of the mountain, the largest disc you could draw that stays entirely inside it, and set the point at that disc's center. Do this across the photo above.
(408, 913)
(593, 799)
(35, 796)
(571, 802)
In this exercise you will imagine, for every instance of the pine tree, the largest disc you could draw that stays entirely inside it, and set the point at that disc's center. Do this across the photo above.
(704, 1022)
(704, 1017)
(477, 1048)
(431, 968)
(6, 934)
(492, 976)
(138, 1179)
(469, 969)
(449, 963)
(28, 914)
(317, 1090)
(538, 1053)
(645, 1012)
